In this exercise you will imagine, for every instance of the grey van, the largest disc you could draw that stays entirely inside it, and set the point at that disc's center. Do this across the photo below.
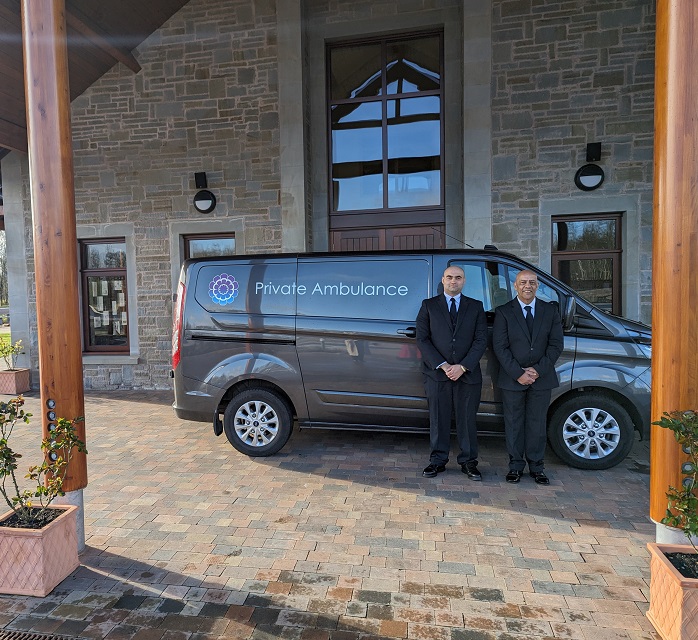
(328, 340)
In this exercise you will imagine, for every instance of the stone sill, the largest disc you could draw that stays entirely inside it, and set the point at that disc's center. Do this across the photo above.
(105, 358)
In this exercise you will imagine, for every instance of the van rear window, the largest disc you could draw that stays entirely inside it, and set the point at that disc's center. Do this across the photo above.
(370, 289)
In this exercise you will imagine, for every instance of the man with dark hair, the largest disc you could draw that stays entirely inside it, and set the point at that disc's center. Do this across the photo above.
(527, 341)
(452, 336)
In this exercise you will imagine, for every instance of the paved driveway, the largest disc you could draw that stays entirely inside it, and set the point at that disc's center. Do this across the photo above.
(337, 537)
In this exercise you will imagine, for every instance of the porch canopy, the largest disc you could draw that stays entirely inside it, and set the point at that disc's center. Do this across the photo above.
(100, 34)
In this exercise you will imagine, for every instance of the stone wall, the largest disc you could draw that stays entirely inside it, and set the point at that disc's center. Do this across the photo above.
(566, 73)
(206, 99)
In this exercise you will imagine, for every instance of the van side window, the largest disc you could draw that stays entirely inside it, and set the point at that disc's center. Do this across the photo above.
(485, 281)
(545, 291)
(362, 289)
(267, 288)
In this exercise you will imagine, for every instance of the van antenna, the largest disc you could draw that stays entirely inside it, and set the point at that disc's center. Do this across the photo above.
(470, 246)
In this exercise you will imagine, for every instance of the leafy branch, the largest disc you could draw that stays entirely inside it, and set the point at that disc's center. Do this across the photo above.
(59, 448)
(682, 511)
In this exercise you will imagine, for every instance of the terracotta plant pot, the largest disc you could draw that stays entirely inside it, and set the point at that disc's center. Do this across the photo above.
(15, 381)
(35, 561)
(673, 599)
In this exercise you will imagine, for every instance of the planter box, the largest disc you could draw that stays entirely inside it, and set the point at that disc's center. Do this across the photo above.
(14, 382)
(673, 599)
(34, 561)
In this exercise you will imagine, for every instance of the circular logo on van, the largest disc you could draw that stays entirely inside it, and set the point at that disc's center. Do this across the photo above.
(223, 289)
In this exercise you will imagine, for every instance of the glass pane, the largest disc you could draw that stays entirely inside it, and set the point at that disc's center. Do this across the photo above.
(355, 72)
(584, 235)
(106, 256)
(593, 279)
(545, 292)
(357, 152)
(108, 312)
(414, 152)
(475, 285)
(210, 247)
(387, 289)
(413, 65)
(486, 282)
(255, 290)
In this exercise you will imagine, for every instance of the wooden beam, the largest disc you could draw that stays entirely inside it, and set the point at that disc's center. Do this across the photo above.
(120, 55)
(675, 238)
(53, 210)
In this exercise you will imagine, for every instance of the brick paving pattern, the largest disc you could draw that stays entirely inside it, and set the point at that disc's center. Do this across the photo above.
(337, 537)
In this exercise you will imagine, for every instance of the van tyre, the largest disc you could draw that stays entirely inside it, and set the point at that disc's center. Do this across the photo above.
(591, 431)
(257, 422)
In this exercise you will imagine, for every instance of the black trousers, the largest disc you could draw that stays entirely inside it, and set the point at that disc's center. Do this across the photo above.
(446, 398)
(525, 426)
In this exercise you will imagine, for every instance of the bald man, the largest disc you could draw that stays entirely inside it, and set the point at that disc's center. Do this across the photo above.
(452, 336)
(527, 340)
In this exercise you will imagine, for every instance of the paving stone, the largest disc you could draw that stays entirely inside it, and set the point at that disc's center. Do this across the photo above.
(129, 602)
(452, 582)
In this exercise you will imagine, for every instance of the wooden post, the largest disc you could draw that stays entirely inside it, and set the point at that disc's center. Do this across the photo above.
(675, 255)
(53, 209)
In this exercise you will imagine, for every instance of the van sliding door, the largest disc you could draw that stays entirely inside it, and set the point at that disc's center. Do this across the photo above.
(355, 340)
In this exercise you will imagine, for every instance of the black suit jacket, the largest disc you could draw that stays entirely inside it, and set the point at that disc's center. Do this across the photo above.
(516, 350)
(439, 342)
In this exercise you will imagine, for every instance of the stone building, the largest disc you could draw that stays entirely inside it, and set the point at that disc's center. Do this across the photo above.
(331, 125)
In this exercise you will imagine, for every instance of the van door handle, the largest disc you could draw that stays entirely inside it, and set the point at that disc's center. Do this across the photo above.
(410, 332)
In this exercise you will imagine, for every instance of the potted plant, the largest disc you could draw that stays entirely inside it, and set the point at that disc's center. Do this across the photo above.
(38, 540)
(674, 568)
(13, 380)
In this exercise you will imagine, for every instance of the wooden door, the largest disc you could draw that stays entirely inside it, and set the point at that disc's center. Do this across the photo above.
(410, 238)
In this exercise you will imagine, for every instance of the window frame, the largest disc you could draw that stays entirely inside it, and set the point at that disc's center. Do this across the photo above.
(385, 216)
(85, 273)
(187, 237)
(615, 254)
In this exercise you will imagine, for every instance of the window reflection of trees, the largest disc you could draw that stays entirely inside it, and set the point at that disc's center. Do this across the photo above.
(362, 78)
(585, 235)
(107, 256)
(586, 255)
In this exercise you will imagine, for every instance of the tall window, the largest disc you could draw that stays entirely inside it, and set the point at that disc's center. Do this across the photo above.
(386, 134)
(104, 295)
(586, 255)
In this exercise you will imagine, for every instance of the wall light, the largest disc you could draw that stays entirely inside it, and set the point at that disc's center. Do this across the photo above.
(589, 177)
(204, 200)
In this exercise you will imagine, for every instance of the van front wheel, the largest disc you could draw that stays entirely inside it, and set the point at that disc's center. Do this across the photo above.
(591, 431)
(257, 422)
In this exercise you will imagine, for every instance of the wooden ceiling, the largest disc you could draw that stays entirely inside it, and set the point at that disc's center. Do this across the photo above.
(100, 34)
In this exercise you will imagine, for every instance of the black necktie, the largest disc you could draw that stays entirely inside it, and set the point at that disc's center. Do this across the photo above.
(453, 312)
(529, 319)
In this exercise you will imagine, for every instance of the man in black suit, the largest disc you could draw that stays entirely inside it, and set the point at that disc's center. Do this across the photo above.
(527, 341)
(452, 336)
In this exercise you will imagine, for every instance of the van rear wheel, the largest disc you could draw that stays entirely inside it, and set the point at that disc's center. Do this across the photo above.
(591, 431)
(257, 422)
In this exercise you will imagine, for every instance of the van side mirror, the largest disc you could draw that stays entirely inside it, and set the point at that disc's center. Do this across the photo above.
(568, 315)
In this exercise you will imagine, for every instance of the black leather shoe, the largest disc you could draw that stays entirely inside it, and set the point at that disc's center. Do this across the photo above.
(539, 477)
(514, 476)
(470, 469)
(433, 469)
